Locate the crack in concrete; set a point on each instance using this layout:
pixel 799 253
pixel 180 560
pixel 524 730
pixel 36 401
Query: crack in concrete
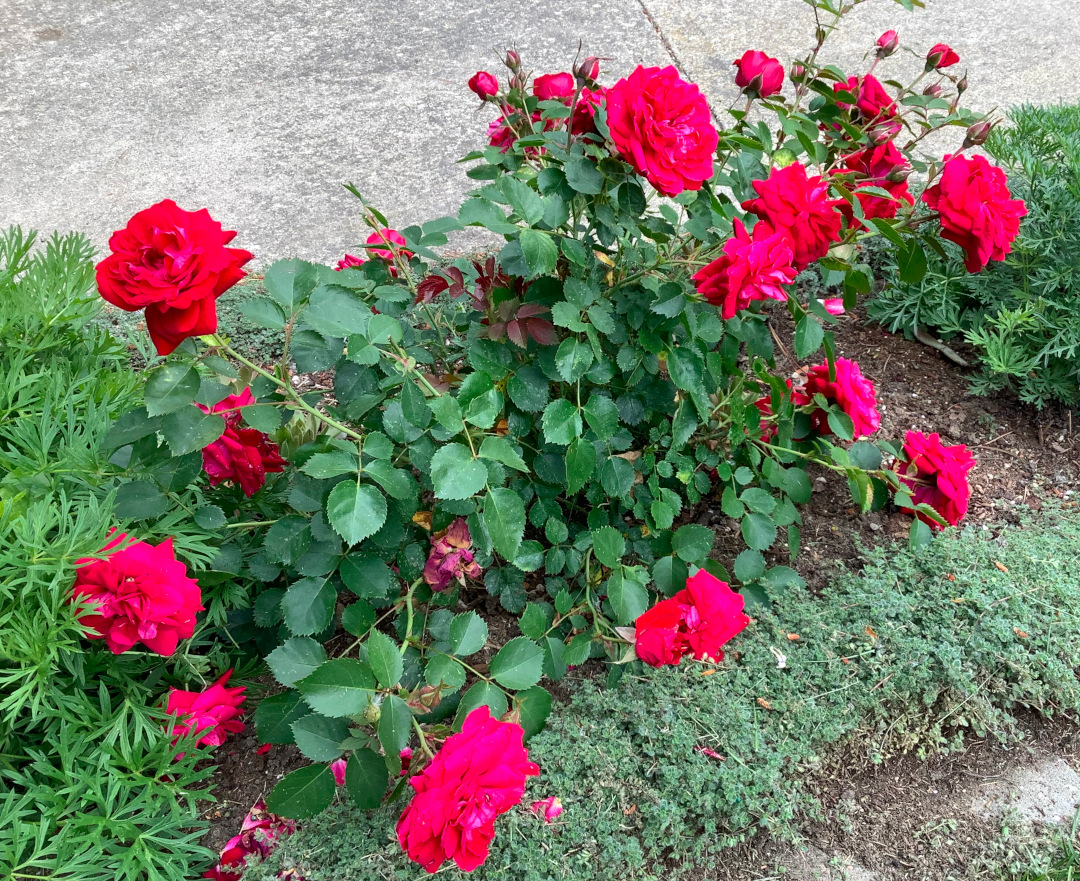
pixel 664 41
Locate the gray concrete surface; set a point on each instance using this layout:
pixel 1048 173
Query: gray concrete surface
pixel 1046 792
pixel 260 109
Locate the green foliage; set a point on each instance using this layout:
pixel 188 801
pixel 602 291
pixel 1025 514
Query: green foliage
pixel 89 788
pixel 1021 314
pixel 901 657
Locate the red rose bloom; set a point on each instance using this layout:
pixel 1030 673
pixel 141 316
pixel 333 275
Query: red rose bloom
pixel 485 85
pixel 242 456
pixel 936 475
pixel 661 125
pixel 140 594
pixel 851 391
pixel 977 210
pixel 476 776
pixel 873 167
pixel 940 56
pixel 751 268
pixel 349 261
pixel 872 102
pixel 887 43
pixel 799 207
pixel 758 74
pixel 698 620
pixel 584 120
pixel 554 86
pixel 212 713
pixel 174 264
pixel 394 241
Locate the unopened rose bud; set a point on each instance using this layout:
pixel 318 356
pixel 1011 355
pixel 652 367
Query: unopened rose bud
pixel 512 60
pixel 900 173
pixel 513 716
pixel 783 157
pixel 887 43
pixel 798 71
pixel 588 70
pixel 933 90
pixel 881 134
pixel 517 82
pixel 372 714
pixel 961 85
pixel 426 699
pixel 941 56
pixel 484 85
pixel 978 133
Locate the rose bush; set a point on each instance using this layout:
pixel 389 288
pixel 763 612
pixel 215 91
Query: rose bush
pixel 544 440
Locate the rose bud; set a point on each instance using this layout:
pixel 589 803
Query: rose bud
pixel 798 71
pixel 517 82
pixel 512 60
pixel 887 43
pixel 933 90
pixel 484 85
pixel 759 75
pixel 941 56
pixel 882 134
pixel 978 133
pixel 961 85
pixel 587 70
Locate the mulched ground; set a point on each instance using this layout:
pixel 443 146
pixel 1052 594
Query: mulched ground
pixel 1024 458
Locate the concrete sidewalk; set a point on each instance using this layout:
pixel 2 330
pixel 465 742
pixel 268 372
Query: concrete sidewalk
pixel 260 109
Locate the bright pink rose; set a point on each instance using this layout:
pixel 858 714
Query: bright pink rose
pixel 451 557
pixel 258 835
pixel 349 261
pixel 337 768
pixel 139 594
pixel 834 305
pixel 174 264
pixel 554 86
pixel 941 56
pixel 878 167
pixel 503 136
pixel 799 207
pixel 936 475
pixel 392 239
pixel 751 268
pixel 851 391
pixel 698 620
pixel 243 456
pixel 485 85
pixel 661 125
pixel 976 208
pixel 887 43
pixel 758 74
pixel 548 809
pixel 476 776
pixel 213 713
pixel 872 103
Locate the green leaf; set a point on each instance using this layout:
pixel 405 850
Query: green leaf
pixel 308 606
pixel 749 566
pixel 358 618
pixel 540 251
pixel 263 312
pixel 294 659
pixel 529 389
pixel 911 262
pixel 319 738
pixel 504 517
pixel 562 422
pixel 580 462
pixel 322 466
pixel 525 201
pixel 456 474
pixel 395 725
pixel 535 621
pixel 468 634
pixel 366 779
pixel 499 449
pixel 617 476
pixel 602 416
pixel 482 694
pixel 355 510
pixel 535 705
pixel 448 412
pixel 396 482
pixel 289 282
pixel 687 370
pixel 337 312
pixel 130 427
pixel 339 688
pixel 303 793
pixel 275 715
pixel 444 671
pixel 758 532
pixel 670 574
pixel 519 664
pixel 385 659
pixel 627 594
pixel 365 575
pixel 865 455
pixel 210 517
pixel 583 175
pixel 573 358
pixel 288 539
pixel 262 417
pixel 919 534
pixel 481 212
pixel 140 500
pixel 841 424
pixel 170 387
pixel 608 545
pixel 759 500
pixel 809 335
pixel 692 543
pixel 190 429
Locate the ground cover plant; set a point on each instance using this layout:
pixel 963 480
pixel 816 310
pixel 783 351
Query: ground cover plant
pixel 532 429
pixel 658 777
pixel 1020 314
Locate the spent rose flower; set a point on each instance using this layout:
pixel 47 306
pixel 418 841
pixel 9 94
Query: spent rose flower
pixel 758 74
pixel 799 207
pixel 884 167
pixel 547 809
pixel 484 85
pixel 243 456
pixel 698 620
pixel 941 56
pixel 976 209
pixel 936 475
pixel 476 776
pixel 451 557
pixel 258 836
pixel 173 264
pixel 213 714
pixel 887 43
pixel 851 391
pixel 140 593
pixel 751 268
pixel 661 125
pixel 554 86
